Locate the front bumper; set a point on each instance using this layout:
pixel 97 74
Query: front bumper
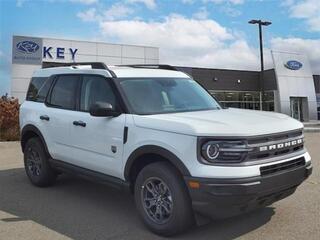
pixel 220 198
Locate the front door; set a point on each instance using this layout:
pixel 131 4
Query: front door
pixel 296 108
pixel 98 141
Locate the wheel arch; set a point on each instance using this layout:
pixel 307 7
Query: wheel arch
pixel 28 132
pixel 141 154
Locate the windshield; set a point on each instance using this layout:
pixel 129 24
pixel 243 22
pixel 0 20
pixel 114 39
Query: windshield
pixel 166 95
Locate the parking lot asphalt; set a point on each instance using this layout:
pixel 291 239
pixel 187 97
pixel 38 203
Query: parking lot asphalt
pixel 78 209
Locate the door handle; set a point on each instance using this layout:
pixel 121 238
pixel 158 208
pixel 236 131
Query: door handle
pixel 79 123
pixel 44 117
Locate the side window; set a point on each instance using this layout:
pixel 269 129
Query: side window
pixel 95 89
pixel 38 89
pixel 63 94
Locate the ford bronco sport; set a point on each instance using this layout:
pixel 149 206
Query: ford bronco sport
pixel 155 131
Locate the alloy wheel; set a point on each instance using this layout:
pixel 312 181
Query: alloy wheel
pixel 157 200
pixel 33 162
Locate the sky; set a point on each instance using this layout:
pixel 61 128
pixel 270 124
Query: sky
pixel 198 33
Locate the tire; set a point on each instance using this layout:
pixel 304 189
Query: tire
pixel 37 165
pixel 175 204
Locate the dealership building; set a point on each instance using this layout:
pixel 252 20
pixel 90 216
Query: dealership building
pixel 289 87
pixel 32 53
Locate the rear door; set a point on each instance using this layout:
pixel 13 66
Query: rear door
pixel 33 110
pixel 61 106
pixel 97 141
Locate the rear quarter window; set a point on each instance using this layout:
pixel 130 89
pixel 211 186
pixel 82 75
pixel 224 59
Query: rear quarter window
pixel 38 89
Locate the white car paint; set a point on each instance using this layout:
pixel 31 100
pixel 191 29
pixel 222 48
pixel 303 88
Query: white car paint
pixel 176 132
pixel 220 122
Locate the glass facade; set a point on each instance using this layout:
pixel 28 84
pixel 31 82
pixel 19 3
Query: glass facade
pixel 269 101
pixel 245 99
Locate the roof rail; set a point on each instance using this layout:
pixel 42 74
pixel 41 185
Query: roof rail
pixel 153 66
pixel 94 65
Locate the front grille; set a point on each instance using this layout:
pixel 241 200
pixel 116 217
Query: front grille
pixel 270 169
pixel 273 141
pixel 275 137
pixel 258 155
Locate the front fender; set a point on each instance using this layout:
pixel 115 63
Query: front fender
pixel 153 149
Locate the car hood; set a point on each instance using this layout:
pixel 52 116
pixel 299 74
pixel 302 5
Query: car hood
pixel 222 122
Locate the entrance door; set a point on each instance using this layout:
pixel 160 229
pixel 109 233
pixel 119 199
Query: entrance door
pixel 296 108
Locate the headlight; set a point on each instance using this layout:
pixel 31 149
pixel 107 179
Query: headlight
pixel 219 151
pixel 211 150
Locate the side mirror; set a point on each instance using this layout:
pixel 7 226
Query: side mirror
pixel 103 109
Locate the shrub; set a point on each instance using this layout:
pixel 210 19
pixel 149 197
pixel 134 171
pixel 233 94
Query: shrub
pixel 9 119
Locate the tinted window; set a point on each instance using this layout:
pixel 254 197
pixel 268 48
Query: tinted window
pixel 63 94
pixel 95 89
pixel 38 89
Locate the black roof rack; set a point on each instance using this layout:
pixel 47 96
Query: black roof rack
pixel 153 66
pixel 94 65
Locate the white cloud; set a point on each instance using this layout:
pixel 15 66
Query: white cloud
pixel 230 11
pixel 187 42
pixel 202 13
pixel 227 6
pixel 89 15
pixel 305 9
pixel 86 2
pixel 309 10
pixel 287 3
pixel 151 4
pixel 116 11
pixel 314 23
pixel 308 46
pixel 195 41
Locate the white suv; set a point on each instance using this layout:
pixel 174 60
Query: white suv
pixel 155 131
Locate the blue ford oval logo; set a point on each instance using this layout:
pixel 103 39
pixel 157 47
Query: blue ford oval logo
pixel 27 47
pixel 293 65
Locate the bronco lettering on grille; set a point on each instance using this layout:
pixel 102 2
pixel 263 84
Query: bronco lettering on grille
pixel 280 145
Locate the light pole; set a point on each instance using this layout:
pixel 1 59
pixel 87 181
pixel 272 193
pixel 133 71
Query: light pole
pixel 261 23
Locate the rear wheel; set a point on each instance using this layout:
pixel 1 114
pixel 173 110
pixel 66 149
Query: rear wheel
pixel 162 199
pixel 36 164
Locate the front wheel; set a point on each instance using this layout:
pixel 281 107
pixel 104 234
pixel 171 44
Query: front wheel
pixel 162 199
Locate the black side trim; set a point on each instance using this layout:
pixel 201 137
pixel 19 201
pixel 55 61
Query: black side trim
pixel 31 129
pixel 125 135
pixel 90 174
pixel 152 149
